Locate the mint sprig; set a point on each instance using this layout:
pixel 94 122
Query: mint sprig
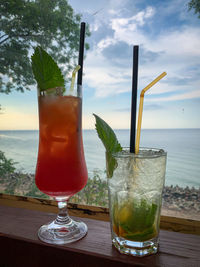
pixel 107 135
pixel 110 142
pixel 45 70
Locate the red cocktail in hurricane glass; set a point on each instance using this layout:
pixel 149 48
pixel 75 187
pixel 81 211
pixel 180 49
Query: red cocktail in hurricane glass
pixel 61 170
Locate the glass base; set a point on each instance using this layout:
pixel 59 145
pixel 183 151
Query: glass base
pixel 138 249
pixel 55 233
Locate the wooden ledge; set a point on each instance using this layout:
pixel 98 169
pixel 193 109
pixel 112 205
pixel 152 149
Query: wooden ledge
pixel 20 246
pixel 188 226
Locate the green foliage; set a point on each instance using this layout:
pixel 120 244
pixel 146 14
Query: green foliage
pixel 94 193
pixel 111 164
pixel 107 136
pixel 6 165
pixel 52 25
pixel 35 192
pixel 195 4
pixel 45 70
pixel 110 142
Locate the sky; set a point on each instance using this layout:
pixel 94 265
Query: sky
pixel 168 36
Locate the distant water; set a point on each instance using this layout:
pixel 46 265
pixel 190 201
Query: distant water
pixel 182 146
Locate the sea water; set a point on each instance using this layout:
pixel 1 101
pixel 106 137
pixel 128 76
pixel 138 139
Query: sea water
pixel 182 146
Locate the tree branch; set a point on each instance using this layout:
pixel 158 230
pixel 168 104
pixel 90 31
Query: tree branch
pixel 21 35
pixel 4 40
pixel 3 36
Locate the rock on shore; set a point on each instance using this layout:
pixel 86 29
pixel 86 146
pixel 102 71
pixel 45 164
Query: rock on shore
pixel 181 199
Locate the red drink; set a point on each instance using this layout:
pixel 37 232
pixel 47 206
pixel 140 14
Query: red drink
pixel 61 168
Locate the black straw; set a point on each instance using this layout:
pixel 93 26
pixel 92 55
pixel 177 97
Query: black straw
pixel 134 98
pixel 81 53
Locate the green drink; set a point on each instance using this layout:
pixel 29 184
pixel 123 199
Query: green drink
pixel 136 221
pixel 135 185
pixel 135 197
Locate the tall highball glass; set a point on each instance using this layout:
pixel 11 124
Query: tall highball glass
pixel 135 197
pixel 61 170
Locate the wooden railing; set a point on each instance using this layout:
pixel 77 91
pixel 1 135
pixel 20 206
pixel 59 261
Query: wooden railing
pixel 20 246
pixel 169 223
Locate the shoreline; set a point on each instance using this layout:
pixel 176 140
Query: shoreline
pixel 181 202
pixel 177 201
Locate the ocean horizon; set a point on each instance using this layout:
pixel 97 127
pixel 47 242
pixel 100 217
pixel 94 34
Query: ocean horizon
pixel 182 146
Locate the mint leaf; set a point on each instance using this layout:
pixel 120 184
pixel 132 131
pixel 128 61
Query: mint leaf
pixel 107 135
pixel 45 70
pixel 110 142
pixel 111 164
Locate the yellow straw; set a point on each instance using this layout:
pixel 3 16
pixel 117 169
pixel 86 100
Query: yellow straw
pixel 73 77
pixel 141 109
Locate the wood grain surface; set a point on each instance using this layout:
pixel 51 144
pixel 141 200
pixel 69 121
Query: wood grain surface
pixel 19 245
pixel 170 223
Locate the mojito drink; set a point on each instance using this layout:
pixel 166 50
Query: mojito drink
pixel 136 220
pixel 135 192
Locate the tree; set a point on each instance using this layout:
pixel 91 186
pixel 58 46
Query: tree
pixel 6 165
pixel 24 24
pixel 195 4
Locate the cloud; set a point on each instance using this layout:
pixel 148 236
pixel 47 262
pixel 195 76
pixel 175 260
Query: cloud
pixel 108 65
pixel 129 29
pixel 146 107
pixel 106 43
pixel 177 97
pixel 179 43
pixel 105 78
pixel 124 24
pixel 153 107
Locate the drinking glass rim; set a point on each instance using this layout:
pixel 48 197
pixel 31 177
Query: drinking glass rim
pixel 156 153
pixel 65 91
